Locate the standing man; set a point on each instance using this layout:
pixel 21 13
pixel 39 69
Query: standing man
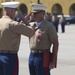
pixel 55 21
pixel 40 44
pixel 10 33
pixel 62 23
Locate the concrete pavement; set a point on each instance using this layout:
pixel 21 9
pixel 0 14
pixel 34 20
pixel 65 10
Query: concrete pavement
pixel 66 54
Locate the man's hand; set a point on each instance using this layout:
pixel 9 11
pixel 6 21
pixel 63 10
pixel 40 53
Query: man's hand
pixel 22 17
pixel 28 16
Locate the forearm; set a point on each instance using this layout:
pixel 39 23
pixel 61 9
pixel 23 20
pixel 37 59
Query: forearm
pixel 23 19
pixel 33 30
pixel 55 51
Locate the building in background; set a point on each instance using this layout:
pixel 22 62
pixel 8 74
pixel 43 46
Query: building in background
pixel 54 6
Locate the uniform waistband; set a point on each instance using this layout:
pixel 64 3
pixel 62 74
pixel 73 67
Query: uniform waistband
pixel 40 51
pixel 5 51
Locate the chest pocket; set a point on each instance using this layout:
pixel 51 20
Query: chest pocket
pixel 40 33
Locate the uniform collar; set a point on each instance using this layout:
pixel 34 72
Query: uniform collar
pixel 38 24
pixel 5 16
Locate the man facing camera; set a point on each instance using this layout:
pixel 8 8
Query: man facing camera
pixel 41 60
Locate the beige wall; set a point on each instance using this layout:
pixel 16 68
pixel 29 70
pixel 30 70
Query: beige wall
pixel 65 4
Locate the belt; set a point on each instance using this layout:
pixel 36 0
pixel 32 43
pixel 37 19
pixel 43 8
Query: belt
pixel 4 51
pixel 40 51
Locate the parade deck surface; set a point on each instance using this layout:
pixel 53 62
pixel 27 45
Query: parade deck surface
pixel 66 53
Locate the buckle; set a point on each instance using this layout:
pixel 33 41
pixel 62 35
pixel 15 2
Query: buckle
pixel 35 51
pixel 40 51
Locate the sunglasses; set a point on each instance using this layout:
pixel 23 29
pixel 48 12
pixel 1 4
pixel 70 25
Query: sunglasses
pixel 38 12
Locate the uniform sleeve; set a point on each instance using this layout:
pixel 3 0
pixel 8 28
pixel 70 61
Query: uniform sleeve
pixel 52 32
pixel 20 28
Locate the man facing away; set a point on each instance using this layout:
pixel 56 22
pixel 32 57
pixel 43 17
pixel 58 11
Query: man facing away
pixel 10 33
pixel 40 44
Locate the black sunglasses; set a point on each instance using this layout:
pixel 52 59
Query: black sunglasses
pixel 38 12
